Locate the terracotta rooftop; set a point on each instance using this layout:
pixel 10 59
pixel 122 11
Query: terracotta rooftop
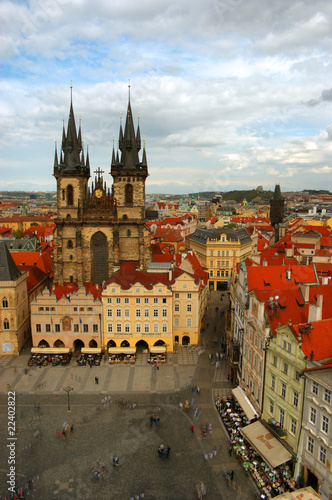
pixel 68 289
pixel 317 343
pixel 275 277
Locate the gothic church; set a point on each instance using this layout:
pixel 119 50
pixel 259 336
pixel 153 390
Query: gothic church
pixel 98 228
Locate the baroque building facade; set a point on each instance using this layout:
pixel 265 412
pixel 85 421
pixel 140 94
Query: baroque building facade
pixel 97 228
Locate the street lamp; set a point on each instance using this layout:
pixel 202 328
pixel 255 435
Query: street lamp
pixel 68 389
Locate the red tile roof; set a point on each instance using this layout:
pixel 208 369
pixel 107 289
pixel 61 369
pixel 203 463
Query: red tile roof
pixel 326 242
pixel 317 343
pixel 68 289
pixel 172 221
pixel 129 274
pixel 42 261
pixel 171 235
pixel 36 276
pixel 274 277
pixel 289 306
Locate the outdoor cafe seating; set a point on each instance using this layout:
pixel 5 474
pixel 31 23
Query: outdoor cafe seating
pixel 126 355
pixel 44 356
pixel 158 355
pixel 89 356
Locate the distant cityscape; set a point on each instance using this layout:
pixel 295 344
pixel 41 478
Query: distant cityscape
pixel 94 273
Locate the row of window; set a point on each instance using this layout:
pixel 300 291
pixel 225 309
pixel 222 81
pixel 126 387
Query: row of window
pixel 146 328
pixel 324 424
pixel 5 302
pixel 324 421
pixel 76 328
pixel 322 450
pixel 139 313
pixel 76 309
pixel 222 253
pixel 219 273
pixel 283 390
pixel 250 332
pixel 252 386
pixel 220 263
pixel 138 300
pixel 327 392
pixel 293 422
pixel 285 367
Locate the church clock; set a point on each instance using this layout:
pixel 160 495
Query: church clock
pixel 98 193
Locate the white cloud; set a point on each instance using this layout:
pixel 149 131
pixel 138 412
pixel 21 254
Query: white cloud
pixel 322 170
pixel 236 95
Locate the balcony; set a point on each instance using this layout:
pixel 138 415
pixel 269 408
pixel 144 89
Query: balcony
pixel 275 429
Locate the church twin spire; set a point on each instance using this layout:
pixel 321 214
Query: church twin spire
pixel 129 144
pixel 72 153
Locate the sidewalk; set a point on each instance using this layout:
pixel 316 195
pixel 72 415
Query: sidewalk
pixel 212 382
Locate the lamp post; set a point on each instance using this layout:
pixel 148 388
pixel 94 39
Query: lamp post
pixel 68 389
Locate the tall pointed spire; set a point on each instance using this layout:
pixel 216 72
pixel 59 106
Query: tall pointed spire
pixel 120 134
pixel 138 136
pixel 71 142
pixel 56 163
pixel 87 159
pixel 144 160
pixel 113 155
pixel 128 146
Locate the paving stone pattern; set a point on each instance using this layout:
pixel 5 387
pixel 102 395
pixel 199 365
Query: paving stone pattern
pixel 62 468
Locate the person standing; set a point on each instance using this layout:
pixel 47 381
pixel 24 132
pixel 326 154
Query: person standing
pixel 192 428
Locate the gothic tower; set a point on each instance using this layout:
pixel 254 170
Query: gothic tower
pixel 129 175
pixel 97 229
pixel 277 205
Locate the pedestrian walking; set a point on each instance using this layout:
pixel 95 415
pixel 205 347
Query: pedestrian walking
pixel 192 428
pixel 97 380
pixel 228 375
pixel 232 474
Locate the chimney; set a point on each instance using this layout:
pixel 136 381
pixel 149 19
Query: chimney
pixel 288 274
pixel 315 311
pixel 289 251
pixel 305 289
pixel 264 262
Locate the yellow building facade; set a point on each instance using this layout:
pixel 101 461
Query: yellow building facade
pixel 217 250
pixel 283 386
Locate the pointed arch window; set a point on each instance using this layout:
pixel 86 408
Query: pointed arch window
pixel 4 302
pixel 70 244
pixel 129 193
pixel 70 195
pixel 6 324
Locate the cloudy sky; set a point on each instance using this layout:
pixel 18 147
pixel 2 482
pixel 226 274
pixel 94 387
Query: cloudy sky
pixel 230 94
